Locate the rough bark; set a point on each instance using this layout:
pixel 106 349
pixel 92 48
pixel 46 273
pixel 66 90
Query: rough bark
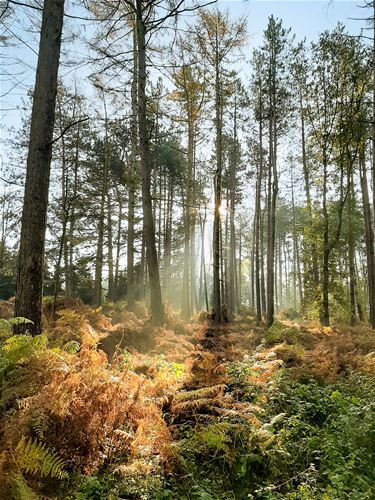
pixel 29 284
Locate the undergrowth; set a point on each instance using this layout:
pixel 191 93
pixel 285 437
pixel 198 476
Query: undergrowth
pixel 182 412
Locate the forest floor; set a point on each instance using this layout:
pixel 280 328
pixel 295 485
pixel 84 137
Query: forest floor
pixel 105 406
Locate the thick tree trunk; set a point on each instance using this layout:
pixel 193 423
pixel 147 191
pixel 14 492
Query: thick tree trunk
pixel 157 311
pixel 29 285
pixel 373 110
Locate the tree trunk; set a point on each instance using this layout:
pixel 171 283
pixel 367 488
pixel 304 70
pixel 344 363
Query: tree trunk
pixel 217 188
pixel 258 234
pixel 271 223
pixel 324 312
pixel 185 299
pixel 69 241
pixel 99 247
pixel 369 240
pixel 98 285
pixel 118 246
pixel 111 291
pixel 193 256
pixel 168 241
pixel 65 219
pixel 132 179
pixel 351 253
pixel 157 311
pixel 306 175
pixel 262 277
pixel 29 284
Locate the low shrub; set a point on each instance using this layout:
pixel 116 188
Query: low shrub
pixel 76 404
pixel 326 442
pixel 281 332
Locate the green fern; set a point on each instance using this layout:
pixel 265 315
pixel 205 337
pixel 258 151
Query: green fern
pixel 19 348
pixel 20 489
pixel 37 460
pixel 215 437
pixel 72 347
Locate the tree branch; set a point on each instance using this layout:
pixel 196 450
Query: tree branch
pixel 65 129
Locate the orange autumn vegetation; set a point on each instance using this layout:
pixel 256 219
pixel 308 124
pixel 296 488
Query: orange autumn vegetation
pixel 116 398
pixel 88 410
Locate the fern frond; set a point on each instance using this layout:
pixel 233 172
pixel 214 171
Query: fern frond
pixel 192 406
pixel 20 489
pixel 72 347
pixel 37 460
pixel 205 392
pixel 40 425
pixel 19 348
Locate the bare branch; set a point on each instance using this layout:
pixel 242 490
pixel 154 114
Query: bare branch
pixel 65 130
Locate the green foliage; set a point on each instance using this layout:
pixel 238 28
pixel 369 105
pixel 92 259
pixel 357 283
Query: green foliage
pixel 326 443
pixel 20 489
pixel 19 348
pixel 164 367
pixel 239 373
pixel 72 347
pixel 281 332
pixel 215 438
pixel 37 460
pixel 111 487
pixel 220 460
pixel 316 441
pixel 14 352
pixel 92 488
